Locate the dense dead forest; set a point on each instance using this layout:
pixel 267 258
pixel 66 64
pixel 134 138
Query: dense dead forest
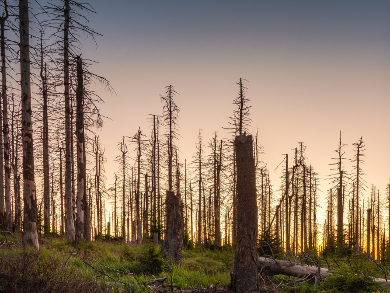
pixel 52 163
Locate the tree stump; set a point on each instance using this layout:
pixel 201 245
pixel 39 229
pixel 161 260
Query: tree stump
pixel 173 240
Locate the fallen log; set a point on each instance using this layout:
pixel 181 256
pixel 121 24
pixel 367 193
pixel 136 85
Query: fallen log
pixel 285 267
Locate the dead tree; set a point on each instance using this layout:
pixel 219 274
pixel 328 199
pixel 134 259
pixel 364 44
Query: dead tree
pixel 154 202
pixel 245 264
pixel 69 221
pixel 30 236
pixel 137 138
pixel 240 122
pixel 7 169
pixel 82 211
pixel 15 165
pixel 199 162
pixel 124 152
pixel 287 208
pixel 340 193
pixel 359 186
pixel 368 232
pixel 173 240
pixel 45 138
pixel 217 149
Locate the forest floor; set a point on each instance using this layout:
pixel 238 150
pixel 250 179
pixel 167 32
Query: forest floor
pixel 107 265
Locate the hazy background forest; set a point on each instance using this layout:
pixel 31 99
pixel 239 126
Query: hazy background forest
pixel 132 102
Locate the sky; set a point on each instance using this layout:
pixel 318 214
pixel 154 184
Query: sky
pixel 313 69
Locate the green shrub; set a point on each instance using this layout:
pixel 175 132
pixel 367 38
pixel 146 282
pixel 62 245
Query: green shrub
pixel 269 245
pixel 149 261
pixel 349 283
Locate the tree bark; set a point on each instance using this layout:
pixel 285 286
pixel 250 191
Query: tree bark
pixel 15 144
pixel 30 236
pixel 284 267
pixel 7 169
pixel 368 232
pixel 173 240
pixel 45 141
pixel 81 201
pixel 245 267
pixel 217 199
pixel 69 221
pixel 124 151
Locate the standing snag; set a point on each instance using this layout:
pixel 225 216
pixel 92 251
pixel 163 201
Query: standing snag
pixel 30 235
pixel 245 266
pixel 81 203
pixel 173 240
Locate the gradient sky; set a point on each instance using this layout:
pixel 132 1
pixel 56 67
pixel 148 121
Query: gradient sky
pixel 313 68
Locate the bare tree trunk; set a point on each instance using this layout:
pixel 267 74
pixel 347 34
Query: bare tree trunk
pixel 287 211
pixel 154 187
pixel 53 206
pixel 62 196
pixel 368 232
pixel 30 236
pixel 192 217
pixel 234 226
pixel 7 170
pixel 15 162
pixel 124 151
pixel 138 193
pixel 200 195
pixel 81 202
pixel 217 198
pixel 69 229
pixel 245 264
pixel 45 138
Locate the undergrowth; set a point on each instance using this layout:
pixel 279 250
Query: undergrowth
pixel 104 266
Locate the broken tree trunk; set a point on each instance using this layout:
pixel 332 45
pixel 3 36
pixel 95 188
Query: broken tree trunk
pixel 245 266
pixel 285 267
pixel 173 240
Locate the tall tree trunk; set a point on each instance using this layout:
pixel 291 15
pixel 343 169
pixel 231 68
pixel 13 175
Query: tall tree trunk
pixel 368 232
pixel 154 182
pixel 53 206
pixel 62 196
pixel 124 151
pixel 45 140
pixel 81 201
pixel 245 266
pixel 30 236
pixel 7 169
pixel 200 195
pixel 217 199
pixel 69 226
pixel 15 144
pixel 138 193
pixel 287 211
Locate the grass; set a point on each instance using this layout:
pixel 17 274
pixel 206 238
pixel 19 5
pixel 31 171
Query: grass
pixel 110 266
pixel 104 266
